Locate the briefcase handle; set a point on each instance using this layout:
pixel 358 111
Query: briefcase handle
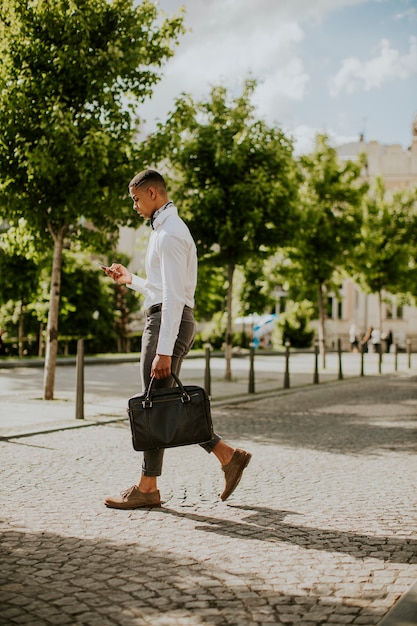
pixel 148 394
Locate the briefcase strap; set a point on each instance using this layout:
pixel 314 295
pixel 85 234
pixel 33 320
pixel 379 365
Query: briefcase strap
pixel 148 394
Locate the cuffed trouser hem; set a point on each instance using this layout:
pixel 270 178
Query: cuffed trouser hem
pixel 157 457
pixel 209 445
pixel 154 474
pixel 152 463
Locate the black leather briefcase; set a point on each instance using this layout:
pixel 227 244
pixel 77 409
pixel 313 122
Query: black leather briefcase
pixel 167 418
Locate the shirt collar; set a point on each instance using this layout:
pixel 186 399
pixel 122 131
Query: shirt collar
pixel 159 211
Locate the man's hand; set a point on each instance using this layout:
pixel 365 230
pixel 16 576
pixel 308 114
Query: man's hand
pixel 161 366
pixel 119 273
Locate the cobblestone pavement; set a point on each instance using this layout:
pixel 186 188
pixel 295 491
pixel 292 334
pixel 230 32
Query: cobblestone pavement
pixel 321 530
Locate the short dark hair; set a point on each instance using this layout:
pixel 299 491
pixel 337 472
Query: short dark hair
pixel 148 176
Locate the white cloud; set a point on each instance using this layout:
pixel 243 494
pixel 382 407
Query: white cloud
pixel 233 57
pixel 388 65
pixel 245 14
pixel 409 14
pixel 234 42
pixel 275 94
pixel 304 138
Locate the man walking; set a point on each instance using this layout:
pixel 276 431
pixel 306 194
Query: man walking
pixel 169 287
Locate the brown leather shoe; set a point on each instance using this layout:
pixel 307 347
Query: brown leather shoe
pixel 233 471
pixel 132 498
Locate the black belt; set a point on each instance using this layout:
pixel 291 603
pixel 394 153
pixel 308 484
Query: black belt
pixel 156 308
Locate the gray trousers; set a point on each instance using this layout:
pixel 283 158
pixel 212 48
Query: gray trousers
pixel 152 459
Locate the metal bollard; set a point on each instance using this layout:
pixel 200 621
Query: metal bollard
pixel 409 352
pixel 207 373
pixel 287 365
pixel 395 346
pixel 339 350
pixel 316 363
pixel 251 386
pixel 79 402
pixel 362 358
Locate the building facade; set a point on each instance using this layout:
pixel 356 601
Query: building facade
pixel 398 168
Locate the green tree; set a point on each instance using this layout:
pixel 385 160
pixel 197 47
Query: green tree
pixel 72 75
pixel 385 257
pixel 331 215
pixel 211 290
pixel 257 291
pixel 293 325
pixel 235 178
pixel 92 306
pixel 20 270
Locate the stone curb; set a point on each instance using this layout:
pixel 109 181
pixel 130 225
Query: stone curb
pixel 404 612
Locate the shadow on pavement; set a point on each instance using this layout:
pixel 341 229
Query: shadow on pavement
pixel 352 418
pixel 48 578
pixel 266 524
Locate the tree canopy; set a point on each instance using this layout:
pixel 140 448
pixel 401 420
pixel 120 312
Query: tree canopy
pixel 72 75
pixel 330 220
pixel 384 258
pixel 20 271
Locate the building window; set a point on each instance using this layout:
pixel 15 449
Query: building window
pixel 329 311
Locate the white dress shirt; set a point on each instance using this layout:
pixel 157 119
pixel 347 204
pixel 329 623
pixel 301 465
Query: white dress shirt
pixel 171 274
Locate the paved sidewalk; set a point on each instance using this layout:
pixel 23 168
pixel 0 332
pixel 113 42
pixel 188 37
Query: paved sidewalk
pixel 321 530
pixel 109 381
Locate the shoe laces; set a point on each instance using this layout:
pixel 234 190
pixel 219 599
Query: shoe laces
pixel 128 492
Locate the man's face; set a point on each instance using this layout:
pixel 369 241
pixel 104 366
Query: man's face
pixel 143 201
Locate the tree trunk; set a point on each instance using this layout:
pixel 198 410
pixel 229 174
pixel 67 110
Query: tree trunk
pixel 40 346
pixel 322 320
pixel 229 325
pixel 52 326
pixel 20 331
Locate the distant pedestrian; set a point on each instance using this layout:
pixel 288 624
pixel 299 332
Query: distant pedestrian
pixel 366 338
pixel 388 339
pixel 376 340
pixel 353 338
pixel 169 286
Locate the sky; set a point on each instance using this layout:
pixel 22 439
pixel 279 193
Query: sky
pixel 342 67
